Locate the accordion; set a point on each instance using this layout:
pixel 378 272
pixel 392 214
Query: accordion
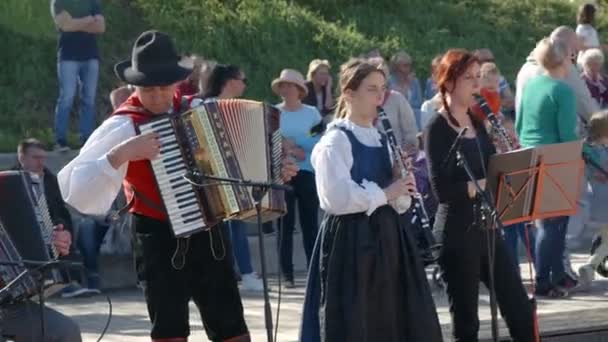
pixel 26 233
pixel 225 138
pixel 9 253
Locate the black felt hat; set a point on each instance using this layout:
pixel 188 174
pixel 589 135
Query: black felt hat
pixel 154 62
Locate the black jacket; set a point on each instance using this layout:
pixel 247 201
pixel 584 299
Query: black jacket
pixel 311 99
pixel 57 207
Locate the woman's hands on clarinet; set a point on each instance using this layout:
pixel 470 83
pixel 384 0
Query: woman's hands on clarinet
pixel 406 163
pixel 472 190
pixel 144 146
pixel 401 187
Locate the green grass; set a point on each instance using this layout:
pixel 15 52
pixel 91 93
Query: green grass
pixel 262 36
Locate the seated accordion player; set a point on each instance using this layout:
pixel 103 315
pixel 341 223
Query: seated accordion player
pixel 237 139
pixel 25 236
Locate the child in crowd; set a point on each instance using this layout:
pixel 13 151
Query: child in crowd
pixel 596 157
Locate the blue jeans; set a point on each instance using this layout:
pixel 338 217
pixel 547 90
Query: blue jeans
pixel 90 238
pixel 240 246
pixel 513 233
pixel 550 245
pixel 73 74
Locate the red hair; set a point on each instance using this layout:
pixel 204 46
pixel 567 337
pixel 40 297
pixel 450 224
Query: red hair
pixel 453 64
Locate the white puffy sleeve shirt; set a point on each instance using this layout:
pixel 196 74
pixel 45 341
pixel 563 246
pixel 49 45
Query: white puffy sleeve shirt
pixel 332 160
pixel 89 183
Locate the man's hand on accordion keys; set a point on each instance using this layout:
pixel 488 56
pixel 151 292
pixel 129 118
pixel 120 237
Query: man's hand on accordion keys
pixel 62 239
pixel 290 168
pixel 290 148
pixel 144 146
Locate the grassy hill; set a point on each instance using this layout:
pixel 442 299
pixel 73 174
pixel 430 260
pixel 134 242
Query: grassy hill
pixel 262 36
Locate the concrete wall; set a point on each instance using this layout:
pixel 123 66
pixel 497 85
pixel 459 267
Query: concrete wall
pixel 118 270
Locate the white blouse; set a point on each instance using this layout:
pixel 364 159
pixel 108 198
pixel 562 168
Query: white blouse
pixel 588 35
pixel 332 160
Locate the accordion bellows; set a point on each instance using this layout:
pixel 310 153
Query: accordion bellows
pixel 225 138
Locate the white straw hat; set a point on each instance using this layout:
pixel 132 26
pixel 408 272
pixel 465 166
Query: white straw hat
pixel 290 76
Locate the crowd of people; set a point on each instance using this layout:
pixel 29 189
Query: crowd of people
pixel 366 279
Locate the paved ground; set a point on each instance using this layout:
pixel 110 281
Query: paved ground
pixel 130 322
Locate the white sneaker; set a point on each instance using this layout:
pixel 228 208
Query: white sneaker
pixel 75 290
pixel 250 282
pixel 61 148
pixel 586 274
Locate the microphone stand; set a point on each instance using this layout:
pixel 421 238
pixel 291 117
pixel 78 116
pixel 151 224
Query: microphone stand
pixel 487 205
pixel 37 269
pixel 259 190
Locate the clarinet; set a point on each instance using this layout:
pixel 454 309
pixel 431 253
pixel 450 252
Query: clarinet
pixel 418 209
pixel 498 128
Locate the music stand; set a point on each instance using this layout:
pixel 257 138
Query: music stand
pixel 259 190
pixel 37 270
pixel 536 183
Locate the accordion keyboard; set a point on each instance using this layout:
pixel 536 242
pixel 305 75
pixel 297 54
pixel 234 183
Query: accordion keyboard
pixel 169 168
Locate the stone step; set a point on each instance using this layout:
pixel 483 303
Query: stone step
pixel 117 271
pixel 54 162
pixel 271 254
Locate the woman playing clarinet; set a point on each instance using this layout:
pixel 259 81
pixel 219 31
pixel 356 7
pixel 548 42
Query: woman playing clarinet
pixel 466 244
pixel 366 281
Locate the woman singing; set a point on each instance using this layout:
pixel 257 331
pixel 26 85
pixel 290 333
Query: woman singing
pixel 366 281
pixel 464 254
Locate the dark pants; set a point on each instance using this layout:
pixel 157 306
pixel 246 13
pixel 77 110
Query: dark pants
pixel 464 262
pixel 550 246
pixel 305 191
pixel 21 322
pixel 209 282
pixel 515 232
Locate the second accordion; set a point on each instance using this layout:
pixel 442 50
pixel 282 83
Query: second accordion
pixel 26 232
pixel 224 138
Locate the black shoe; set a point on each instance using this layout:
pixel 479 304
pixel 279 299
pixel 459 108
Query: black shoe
pixel 567 282
pixel 552 292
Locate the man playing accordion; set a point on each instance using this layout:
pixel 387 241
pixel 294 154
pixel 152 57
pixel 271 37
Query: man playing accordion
pixel 115 153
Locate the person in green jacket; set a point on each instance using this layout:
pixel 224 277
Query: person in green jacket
pixel 547 115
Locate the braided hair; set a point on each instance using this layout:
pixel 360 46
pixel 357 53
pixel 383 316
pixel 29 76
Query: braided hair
pixel 453 64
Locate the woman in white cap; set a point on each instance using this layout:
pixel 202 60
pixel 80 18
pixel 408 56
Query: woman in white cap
pixel 297 126
pixel 319 86
pixel 592 61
